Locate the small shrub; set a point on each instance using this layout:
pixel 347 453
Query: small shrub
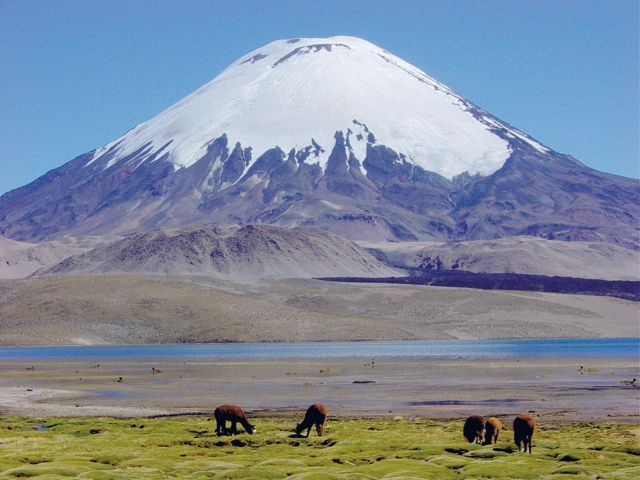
pixel 506 471
pixel 485 454
pixel 572 470
pixel 569 457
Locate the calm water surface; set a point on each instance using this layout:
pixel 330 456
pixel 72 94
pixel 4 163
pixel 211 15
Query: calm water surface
pixel 475 349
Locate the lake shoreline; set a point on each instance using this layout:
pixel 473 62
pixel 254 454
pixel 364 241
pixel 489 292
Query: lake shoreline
pixel 583 389
pixel 615 347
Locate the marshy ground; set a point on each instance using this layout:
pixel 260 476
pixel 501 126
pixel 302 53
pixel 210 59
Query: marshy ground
pixel 352 448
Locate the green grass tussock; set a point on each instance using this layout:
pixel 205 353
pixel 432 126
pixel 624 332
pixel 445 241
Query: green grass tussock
pixel 367 448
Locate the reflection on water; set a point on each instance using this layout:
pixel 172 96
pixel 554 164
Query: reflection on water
pixel 474 349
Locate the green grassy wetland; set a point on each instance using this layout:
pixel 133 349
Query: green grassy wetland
pixel 363 448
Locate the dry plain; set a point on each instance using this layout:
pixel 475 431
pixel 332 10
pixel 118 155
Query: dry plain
pixel 104 310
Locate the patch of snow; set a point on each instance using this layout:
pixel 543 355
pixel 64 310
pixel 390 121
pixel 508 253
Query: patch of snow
pixel 286 94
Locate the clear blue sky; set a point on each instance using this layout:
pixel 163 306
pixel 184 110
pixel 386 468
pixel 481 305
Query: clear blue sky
pixel 78 74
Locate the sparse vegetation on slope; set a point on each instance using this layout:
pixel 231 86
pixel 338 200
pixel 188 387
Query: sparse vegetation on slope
pixel 248 253
pixel 136 310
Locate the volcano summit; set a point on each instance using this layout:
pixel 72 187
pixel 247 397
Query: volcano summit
pixel 296 94
pixel 335 133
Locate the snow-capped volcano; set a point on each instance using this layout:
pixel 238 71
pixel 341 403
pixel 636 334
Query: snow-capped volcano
pixel 334 133
pixel 295 94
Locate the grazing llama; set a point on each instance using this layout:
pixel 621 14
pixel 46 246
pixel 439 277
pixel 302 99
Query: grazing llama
pixel 234 415
pixel 492 430
pixel 523 427
pixel 473 429
pixel 316 415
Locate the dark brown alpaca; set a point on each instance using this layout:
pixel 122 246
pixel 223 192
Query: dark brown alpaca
pixel 316 415
pixel 473 428
pixel 492 429
pixel 523 427
pixel 234 415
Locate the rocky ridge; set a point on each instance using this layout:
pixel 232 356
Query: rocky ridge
pixel 247 253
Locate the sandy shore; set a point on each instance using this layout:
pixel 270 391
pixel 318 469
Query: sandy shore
pixel 557 390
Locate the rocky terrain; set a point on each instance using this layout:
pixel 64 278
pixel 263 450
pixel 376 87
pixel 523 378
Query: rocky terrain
pixel 247 253
pixel 523 255
pixel 189 251
pixel 627 290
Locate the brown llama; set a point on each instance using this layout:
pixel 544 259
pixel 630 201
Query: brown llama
pixel 492 430
pixel 234 415
pixel 523 427
pixel 316 415
pixel 473 428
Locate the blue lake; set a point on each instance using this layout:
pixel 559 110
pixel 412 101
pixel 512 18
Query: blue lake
pixel 471 350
